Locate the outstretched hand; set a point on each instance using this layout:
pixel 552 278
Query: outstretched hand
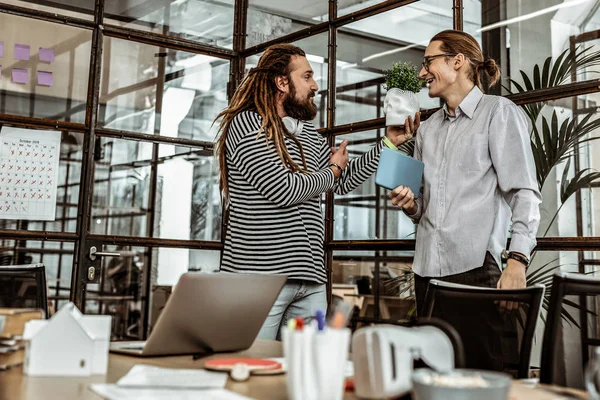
pixel 399 134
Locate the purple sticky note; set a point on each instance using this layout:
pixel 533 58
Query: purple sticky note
pixel 46 55
pixel 1 49
pixel 20 75
pixel 22 52
pixel 44 78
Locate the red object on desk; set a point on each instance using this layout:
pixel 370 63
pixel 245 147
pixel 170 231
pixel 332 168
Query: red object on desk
pixel 349 385
pixel 226 364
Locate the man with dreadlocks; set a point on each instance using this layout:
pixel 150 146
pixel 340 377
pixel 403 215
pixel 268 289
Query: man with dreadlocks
pixel 274 169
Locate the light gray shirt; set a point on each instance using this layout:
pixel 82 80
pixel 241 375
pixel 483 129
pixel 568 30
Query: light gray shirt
pixel 478 168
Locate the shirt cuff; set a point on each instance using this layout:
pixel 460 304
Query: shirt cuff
pixel 416 213
pixel 523 244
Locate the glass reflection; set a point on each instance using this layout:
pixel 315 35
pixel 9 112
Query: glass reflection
pixel 63 95
pixel 187 204
pixel 207 22
pixel 163 91
pixel 366 213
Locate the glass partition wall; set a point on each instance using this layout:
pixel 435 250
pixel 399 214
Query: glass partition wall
pixel 137 83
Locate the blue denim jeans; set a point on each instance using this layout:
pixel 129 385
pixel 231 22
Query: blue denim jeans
pixel 298 298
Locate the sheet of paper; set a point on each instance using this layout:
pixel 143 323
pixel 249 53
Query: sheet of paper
pixel 29 162
pixel 44 78
pixel 348 370
pixel 114 392
pixel 147 376
pixel 46 55
pixel 20 75
pixel 21 52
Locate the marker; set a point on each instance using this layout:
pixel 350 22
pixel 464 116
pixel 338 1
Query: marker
pixel 292 324
pixel 338 321
pixel 320 317
pixel 299 323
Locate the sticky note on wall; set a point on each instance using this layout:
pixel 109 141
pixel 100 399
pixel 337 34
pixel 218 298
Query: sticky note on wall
pixel 22 52
pixel 20 75
pixel 44 78
pixel 46 55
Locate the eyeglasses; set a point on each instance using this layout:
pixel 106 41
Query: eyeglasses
pixel 427 59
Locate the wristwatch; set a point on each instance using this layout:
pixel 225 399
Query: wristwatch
pixel 516 256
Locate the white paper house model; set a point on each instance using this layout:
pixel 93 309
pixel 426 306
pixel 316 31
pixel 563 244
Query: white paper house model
pixel 69 344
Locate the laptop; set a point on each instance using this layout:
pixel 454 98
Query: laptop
pixel 209 313
pixel 397 169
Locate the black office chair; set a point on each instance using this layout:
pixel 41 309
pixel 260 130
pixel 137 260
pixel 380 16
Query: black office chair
pixel 23 286
pixel 530 299
pixel 565 284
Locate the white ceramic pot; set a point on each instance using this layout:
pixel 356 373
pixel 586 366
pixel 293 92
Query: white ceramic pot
pixel 399 105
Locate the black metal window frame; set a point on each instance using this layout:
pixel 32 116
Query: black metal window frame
pixel 236 57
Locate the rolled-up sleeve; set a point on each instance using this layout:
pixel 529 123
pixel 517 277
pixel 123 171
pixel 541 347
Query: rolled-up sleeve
pixel 512 157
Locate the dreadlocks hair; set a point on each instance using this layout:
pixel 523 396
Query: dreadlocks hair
pixel 257 92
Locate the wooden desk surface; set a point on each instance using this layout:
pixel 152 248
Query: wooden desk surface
pixel 15 386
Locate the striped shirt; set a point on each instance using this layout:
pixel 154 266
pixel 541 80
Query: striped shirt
pixel 276 224
pixel 479 169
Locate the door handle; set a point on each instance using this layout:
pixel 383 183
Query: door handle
pixel 94 253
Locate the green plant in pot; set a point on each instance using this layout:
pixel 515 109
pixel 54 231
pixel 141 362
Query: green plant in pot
pixel 402 84
pixel 554 143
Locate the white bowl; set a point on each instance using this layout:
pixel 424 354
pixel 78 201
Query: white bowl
pixel 460 384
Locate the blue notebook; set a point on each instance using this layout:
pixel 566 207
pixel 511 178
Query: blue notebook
pixel 396 168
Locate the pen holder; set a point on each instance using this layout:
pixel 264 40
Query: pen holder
pixel 315 362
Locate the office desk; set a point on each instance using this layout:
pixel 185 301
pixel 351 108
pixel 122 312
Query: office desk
pixel 15 386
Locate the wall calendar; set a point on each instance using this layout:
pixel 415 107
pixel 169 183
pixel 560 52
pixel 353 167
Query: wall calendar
pixel 29 162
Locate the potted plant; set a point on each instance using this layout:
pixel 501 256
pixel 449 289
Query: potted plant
pixel 402 84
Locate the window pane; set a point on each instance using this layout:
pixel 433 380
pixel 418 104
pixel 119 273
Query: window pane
pixel 349 6
pixel 121 290
pixel 83 9
pixel 315 48
pixel 57 258
pixel 206 22
pixel 353 280
pixel 67 192
pixel 519 35
pixel 188 204
pixel 366 212
pixel 368 47
pixel 191 92
pixel 60 92
pixel 121 187
pixel 269 20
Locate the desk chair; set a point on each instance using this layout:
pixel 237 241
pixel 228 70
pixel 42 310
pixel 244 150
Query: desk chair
pixel 565 284
pixel 24 286
pixel 530 299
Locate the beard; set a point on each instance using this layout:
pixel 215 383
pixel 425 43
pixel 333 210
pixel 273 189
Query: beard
pixel 305 110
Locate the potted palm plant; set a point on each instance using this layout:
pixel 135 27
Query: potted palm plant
pixel 402 85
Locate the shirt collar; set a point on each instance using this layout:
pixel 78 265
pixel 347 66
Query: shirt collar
pixel 468 105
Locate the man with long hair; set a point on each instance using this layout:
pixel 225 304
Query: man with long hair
pixel 479 170
pixel 275 168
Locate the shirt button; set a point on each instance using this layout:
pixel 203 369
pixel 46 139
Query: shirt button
pixel 441 204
